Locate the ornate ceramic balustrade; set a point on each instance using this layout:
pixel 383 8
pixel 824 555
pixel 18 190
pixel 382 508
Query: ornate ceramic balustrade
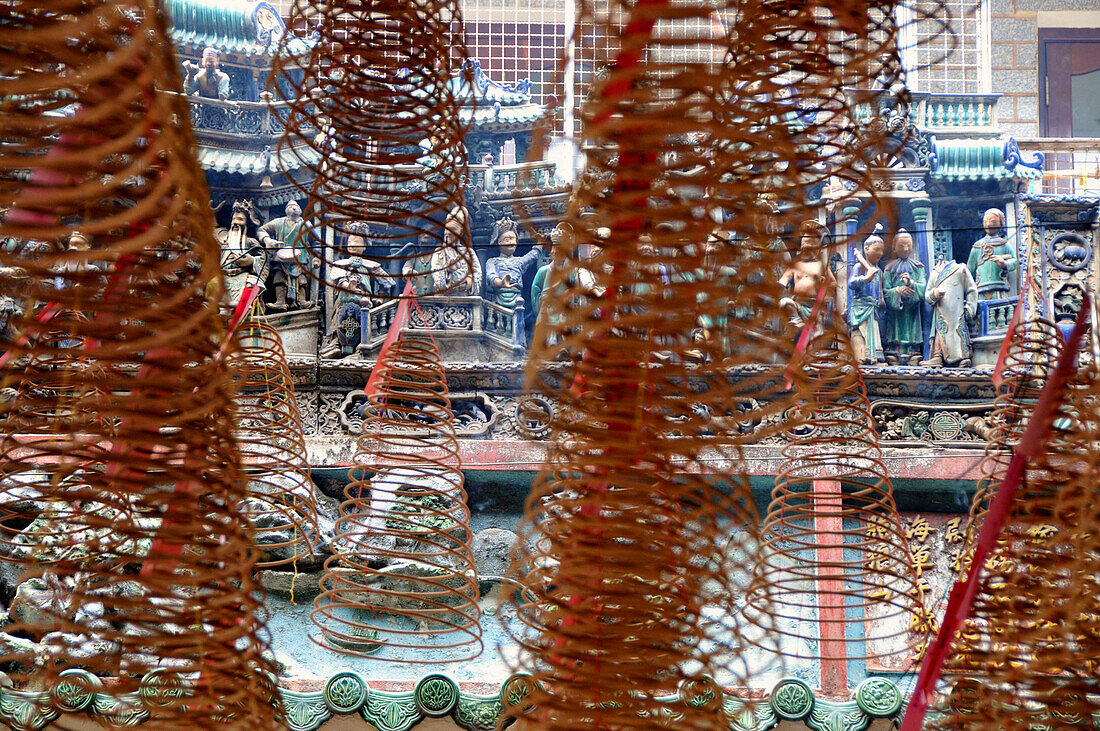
pixel 522 176
pixel 994 316
pixel 971 115
pixel 260 122
pixel 482 325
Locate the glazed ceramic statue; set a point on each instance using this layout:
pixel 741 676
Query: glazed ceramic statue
pixel 992 258
pixel 807 273
pixel 207 80
pixel 504 273
pixel 954 298
pixel 865 301
pixel 904 282
pixel 243 260
pixel 286 237
pixel 449 266
pixel 359 283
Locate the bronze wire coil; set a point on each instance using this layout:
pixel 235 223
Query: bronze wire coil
pixel 1028 653
pixel 280 502
pixel 377 101
pixel 121 479
pixel 402 575
pixel 832 537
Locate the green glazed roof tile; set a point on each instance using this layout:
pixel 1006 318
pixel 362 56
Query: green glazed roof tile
pixel 977 159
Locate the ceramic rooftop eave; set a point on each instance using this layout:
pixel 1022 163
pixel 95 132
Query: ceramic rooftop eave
pixel 968 158
pixel 251 162
pixel 245 27
pixel 437 696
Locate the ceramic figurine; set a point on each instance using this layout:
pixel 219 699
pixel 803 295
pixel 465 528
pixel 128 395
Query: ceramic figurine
pixel 992 258
pixel 865 300
pixel 904 282
pixel 450 273
pixel 243 260
pixel 504 273
pixel 807 273
pixel 562 236
pixel 207 80
pixel 359 283
pixel 287 238
pixel 954 298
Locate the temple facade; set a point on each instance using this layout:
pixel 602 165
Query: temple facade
pixel 976 219
pixel 987 215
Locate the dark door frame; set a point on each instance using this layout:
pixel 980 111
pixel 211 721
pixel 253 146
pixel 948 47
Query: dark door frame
pixel 1050 36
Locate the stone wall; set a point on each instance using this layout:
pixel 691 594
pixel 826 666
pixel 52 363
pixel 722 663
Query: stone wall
pixel 1015 62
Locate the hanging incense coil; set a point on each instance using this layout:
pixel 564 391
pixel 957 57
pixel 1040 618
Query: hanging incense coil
pixel 672 334
pixel 834 545
pixel 280 502
pixel 121 480
pixel 1033 349
pixel 1027 654
pixel 402 575
pixel 374 113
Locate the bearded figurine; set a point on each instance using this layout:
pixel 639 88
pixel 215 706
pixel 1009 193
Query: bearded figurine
pixel 449 266
pixel 243 260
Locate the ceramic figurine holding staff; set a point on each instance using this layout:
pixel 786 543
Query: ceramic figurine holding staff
pixel 865 300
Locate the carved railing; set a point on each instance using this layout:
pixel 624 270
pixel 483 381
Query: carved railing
pixel 477 175
pixel 1071 166
pixel 261 123
pixel 521 176
pixel 994 316
pixel 472 315
pixel 500 179
pixel 958 114
pixel 506 323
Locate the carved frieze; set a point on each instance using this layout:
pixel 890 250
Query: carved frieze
pixel 907 421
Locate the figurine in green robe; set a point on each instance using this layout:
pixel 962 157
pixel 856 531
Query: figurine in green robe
pixel 992 259
pixel 562 236
pixel 904 280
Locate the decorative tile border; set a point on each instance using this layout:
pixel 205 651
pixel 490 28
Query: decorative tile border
pixel 435 696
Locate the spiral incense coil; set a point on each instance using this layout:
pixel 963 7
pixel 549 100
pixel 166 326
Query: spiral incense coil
pixel 1028 654
pixel 377 102
pixel 1033 350
pixel 402 575
pixel 280 502
pixel 834 545
pixel 671 330
pixel 119 475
